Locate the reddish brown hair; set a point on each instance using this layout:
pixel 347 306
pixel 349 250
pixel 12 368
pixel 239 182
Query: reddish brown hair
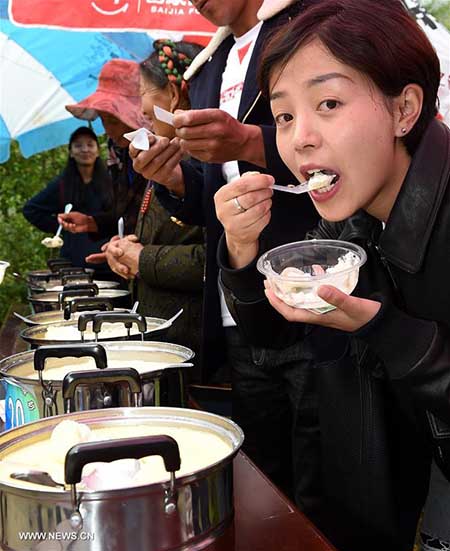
pixel 376 37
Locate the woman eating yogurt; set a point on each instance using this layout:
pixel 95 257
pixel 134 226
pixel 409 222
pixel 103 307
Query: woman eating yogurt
pixel 353 88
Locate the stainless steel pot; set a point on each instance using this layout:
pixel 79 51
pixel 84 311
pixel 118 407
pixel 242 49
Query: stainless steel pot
pixel 63 268
pixel 106 326
pixel 42 302
pixel 57 285
pixel 35 382
pixel 72 309
pixel 187 511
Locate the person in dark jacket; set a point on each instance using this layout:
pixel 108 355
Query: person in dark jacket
pixel 353 87
pixel 165 259
pixel 230 130
pixel 85 184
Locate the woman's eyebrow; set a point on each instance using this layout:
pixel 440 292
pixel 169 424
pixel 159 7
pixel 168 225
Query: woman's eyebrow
pixel 277 95
pixel 323 78
pixel 320 79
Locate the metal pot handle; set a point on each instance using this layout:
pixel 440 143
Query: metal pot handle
pixel 119 317
pixel 85 318
pixel 87 303
pixel 125 448
pixel 80 455
pixel 75 378
pixel 55 263
pixel 71 270
pixel 47 277
pixel 77 277
pixel 79 292
pixel 96 351
pixel 81 287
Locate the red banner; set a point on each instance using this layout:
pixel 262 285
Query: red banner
pixel 108 15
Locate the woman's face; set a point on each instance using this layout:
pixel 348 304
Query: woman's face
pixel 330 117
pixel 151 95
pixel 84 151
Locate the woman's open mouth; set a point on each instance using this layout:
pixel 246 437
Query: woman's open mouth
pixel 322 183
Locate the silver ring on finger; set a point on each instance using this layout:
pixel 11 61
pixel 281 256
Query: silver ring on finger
pixel 238 205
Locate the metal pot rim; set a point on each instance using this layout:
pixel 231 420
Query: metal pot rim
pixel 27 333
pixel 10 362
pixel 219 425
pixel 44 297
pixel 47 271
pixel 101 284
pixel 59 313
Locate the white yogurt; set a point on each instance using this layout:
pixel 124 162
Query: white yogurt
pixel 319 180
pixel 54 242
pixel 302 293
pixel 198 450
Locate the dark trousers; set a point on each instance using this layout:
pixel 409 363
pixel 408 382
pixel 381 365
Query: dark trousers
pixel 275 402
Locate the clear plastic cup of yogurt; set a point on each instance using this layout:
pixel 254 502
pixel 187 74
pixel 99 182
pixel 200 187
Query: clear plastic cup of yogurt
pixel 296 270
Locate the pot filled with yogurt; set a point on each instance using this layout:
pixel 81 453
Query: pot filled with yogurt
pixel 97 326
pixel 57 284
pixel 56 300
pixel 57 268
pixel 121 479
pixel 72 310
pixel 55 379
pixel 296 270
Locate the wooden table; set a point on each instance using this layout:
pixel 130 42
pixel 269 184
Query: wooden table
pixel 265 520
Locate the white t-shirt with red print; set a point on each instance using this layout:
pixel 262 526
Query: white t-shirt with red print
pixel 233 79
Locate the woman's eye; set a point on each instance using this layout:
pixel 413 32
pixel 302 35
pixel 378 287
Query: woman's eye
pixel 329 105
pixel 283 118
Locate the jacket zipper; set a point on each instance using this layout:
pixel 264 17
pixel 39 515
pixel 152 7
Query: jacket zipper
pixel 366 410
pixel 366 416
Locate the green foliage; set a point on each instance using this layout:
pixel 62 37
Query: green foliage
pixel 20 243
pixel 440 9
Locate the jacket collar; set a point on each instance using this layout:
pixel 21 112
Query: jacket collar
pixel 362 227
pixel 405 239
pixel 251 88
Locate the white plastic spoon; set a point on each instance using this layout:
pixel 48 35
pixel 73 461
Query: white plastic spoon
pixel 169 322
pixel 26 320
pixel 67 209
pixel 120 228
pixel 300 188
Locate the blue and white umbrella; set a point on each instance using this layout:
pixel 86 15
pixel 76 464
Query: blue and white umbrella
pixel 42 70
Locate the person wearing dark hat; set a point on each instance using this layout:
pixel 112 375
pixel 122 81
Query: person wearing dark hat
pixel 86 184
pixel 117 102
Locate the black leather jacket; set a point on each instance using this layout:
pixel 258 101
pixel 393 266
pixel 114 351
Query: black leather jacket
pixel 387 398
